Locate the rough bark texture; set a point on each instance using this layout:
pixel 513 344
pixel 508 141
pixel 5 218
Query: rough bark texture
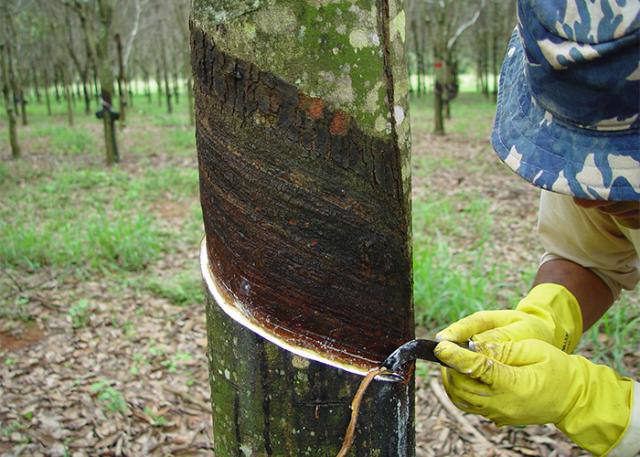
pixel 305 211
pixel 304 177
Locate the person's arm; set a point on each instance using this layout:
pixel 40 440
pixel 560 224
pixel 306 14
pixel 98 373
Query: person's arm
pixel 593 295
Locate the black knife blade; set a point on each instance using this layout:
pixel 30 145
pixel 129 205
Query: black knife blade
pixel 412 350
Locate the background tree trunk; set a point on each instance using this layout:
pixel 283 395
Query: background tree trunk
pixel 66 84
pixel 47 97
pixel 159 83
pixel 289 186
pixel 85 94
pixel 165 73
pixel 176 87
pixel 36 85
pixel 105 74
pixel 122 84
pixel 189 87
pixel 8 104
pixel 56 81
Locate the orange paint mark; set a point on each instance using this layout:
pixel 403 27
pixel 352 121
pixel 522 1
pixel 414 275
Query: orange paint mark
pixel 339 123
pixel 316 106
pixel 313 106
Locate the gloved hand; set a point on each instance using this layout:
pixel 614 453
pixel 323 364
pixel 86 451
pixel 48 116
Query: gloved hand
pixel 532 382
pixel 549 313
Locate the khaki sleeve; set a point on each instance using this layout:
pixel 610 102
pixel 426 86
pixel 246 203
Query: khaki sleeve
pixel 588 238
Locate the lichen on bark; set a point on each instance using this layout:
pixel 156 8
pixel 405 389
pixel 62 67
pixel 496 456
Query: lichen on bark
pixel 330 50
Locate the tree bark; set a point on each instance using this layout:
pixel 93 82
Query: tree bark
pixel 305 188
pixel 159 83
pixel 96 90
pixel 8 104
pixel 147 85
pixel 67 94
pixel 23 107
pixel 189 87
pixel 438 115
pixel 122 85
pixel 176 87
pixel 85 94
pixel 47 98
pixel 275 403
pixel 105 74
pixel 165 73
pixel 36 87
pixel 56 82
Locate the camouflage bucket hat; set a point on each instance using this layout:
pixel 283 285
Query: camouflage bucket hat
pixel 569 95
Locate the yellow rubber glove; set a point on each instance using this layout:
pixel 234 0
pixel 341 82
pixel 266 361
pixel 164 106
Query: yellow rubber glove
pixel 532 382
pixel 549 313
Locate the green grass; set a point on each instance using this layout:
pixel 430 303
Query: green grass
pixel 471 115
pixel 182 290
pixel 450 283
pixel 614 335
pixel 110 397
pixel 67 140
pixel 82 215
pixel 96 241
pixel 79 313
pixel 450 280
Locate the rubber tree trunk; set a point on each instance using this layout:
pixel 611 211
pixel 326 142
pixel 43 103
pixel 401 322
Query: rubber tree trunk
pixel 189 90
pixel 122 85
pixel 36 86
pixel 47 97
pixel 159 83
pixel 85 93
pixel 66 84
pixel 8 104
pixel 165 72
pixel 56 80
pixel 303 146
pixel 438 102
pixel 176 87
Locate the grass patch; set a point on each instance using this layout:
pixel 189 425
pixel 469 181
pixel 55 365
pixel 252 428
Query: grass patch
pixel 66 140
pixel 471 115
pixel 182 290
pixel 613 335
pixel 110 397
pixel 90 219
pixel 87 242
pixel 451 283
pixel 183 141
pixel 4 173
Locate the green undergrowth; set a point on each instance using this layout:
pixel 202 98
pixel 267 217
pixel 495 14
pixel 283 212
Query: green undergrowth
pixel 80 215
pixel 183 289
pixel 614 336
pixel 66 140
pixel 471 115
pixel 90 218
pixel 452 280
